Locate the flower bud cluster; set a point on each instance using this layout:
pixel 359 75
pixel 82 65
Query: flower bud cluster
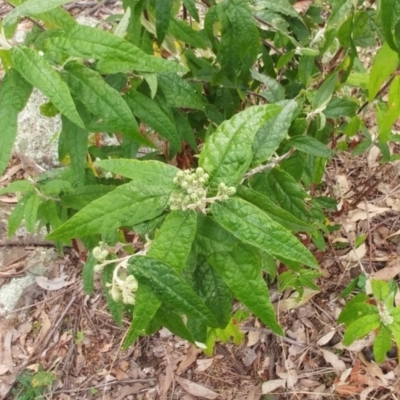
pixel 100 253
pixel 195 194
pixel 224 192
pixel 123 289
pixel 386 318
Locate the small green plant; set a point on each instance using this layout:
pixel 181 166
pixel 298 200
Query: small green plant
pixel 33 385
pixel 373 311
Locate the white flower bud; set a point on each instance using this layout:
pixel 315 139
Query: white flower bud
pixel 231 191
pixel 108 175
pixel 199 171
pixel 224 197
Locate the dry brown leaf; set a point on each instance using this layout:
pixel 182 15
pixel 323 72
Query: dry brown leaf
pixel 326 338
pixel 254 393
pixel 189 360
pixel 106 347
pixel 270 386
pixel 52 284
pixel 293 301
pixel 3 369
pixel 309 383
pixel 253 337
pixel 203 364
pixel 301 6
pixel 389 272
pixel 195 389
pixel 127 391
pixel 9 200
pixel 165 382
pixel 331 358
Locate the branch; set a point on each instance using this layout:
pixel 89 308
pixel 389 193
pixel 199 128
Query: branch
pixel 270 165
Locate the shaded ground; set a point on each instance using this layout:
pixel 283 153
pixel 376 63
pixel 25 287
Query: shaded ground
pixel 73 338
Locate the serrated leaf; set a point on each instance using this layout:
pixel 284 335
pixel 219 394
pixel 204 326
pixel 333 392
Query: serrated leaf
pixel 283 189
pixel 102 100
pixel 87 42
pixel 39 73
pixel 227 154
pixel 277 213
pixel 88 274
pixel 251 225
pixel 170 288
pixel 32 7
pixel 76 139
pixel 146 306
pixel 382 343
pixel 240 270
pixel 163 17
pixel 179 93
pixel 17 186
pixel 213 290
pixel 127 205
pixel 182 31
pixel 324 93
pixel 393 112
pixel 361 328
pixel 56 18
pixel 116 307
pixel 310 145
pixel 340 10
pixel 384 64
pixel 122 28
pixel 380 289
pixel 14 94
pixel 212 237
pixel 338 108
pixel 173 322
pixel 272 133
pixel 82 196
pixel 152 115
pixel 139 170
pixel 30 212
pixel 173 241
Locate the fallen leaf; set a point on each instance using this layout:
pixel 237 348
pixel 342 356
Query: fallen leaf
pixel 389 272
pixel 294 302
pixel 301 6
pixel 195 389
pixel 309 383
pixel 326 338
pixel 3 369
pixel 106 347
pixel 254 393
pixel 52 284
pixel 203 364
pixel 189 360
pixel 270 386
pixel 331 358
pixel 252 338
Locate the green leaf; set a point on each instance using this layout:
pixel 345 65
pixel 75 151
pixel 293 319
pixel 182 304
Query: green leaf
pixel 215 293
pixel 212 237
pixel 163 17
pixel 39 73
pixel 57 18
pixel 17 215
pixel 340 10
pixel 272 133
pixel 170 288
pixel 281 6
pixel 251 225
pixel 116 307
pixel 152 115
pixel 393 112
pixel 88 274
pixel 84 195
pixel 240 270
pixel 395 329
pixel 32 7
pixel 380 289
pixel 361 328
pixel 275 91
pixel 382 343
pixel 227 154
pixel 385 63
pixel 283 189
pixel 324 93
pixel 182 31
pixel 30 212
pixel 127 205
pixel 356 311
pixel 310 145
pixel 87 42
pixel 179 93
pixel 139 171
pixel 146 306
pixel 277 213
pixel 173 322
pixel 17 186
pixel 173 241
pixel 77 142
pixel 387 14
pixel 102 100
pixel 338 108
pixel 191 7
pixel 14 94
